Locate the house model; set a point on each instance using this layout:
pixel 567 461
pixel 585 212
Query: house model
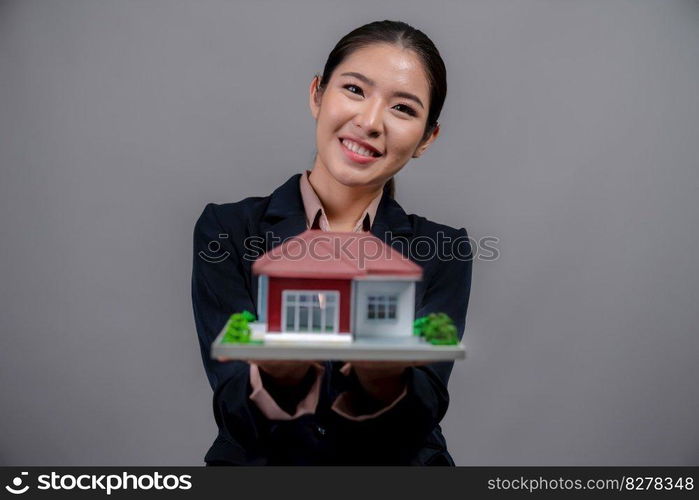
pixel 335 287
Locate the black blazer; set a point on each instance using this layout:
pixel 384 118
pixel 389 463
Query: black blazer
pixel 222 283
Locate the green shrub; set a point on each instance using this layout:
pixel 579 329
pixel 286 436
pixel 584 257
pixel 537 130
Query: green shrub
pixel 249 317
pixel 237 329
pixel 437 329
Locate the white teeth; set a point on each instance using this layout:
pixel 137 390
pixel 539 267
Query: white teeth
pixel 353 146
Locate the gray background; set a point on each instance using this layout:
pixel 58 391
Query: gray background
pixel 570 132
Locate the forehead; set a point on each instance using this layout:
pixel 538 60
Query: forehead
pixel 389 66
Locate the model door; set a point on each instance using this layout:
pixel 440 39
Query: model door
pixel 309 311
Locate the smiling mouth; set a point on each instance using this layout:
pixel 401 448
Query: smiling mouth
pixel 359 150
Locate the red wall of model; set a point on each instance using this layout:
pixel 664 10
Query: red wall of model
pixel 278 285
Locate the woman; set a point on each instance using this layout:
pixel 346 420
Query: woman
pixel 376 106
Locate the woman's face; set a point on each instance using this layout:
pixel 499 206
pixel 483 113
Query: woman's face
pixel 371 116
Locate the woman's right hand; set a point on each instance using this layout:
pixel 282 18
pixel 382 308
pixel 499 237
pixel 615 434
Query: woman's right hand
pixel 284 373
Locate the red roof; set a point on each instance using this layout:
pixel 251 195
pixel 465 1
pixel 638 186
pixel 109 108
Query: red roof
pixel 335 255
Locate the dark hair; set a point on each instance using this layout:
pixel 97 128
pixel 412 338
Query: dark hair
pixel 397 33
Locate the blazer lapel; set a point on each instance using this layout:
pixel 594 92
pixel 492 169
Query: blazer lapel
pixel 285 216
pixel 391 221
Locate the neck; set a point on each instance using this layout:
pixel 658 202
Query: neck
pixel 343 205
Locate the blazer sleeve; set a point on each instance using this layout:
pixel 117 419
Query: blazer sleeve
pixel 404 428
pixel 219 288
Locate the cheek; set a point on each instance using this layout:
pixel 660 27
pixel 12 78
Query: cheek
pixel 404 138
pixel 334 113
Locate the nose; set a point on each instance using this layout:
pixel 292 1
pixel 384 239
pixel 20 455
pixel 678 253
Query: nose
pixel 370 118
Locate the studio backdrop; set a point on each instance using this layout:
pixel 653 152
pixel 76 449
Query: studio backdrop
pixel 569 134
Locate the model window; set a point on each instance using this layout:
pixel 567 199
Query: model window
pixel 310 311
pixel 382 307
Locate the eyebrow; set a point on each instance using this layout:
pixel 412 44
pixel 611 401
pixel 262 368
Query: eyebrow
pixel 369 81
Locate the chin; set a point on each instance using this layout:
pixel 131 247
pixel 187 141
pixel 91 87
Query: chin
pixel 351 176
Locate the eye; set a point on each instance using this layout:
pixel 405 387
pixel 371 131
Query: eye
pixel 353 88
pixel 406 109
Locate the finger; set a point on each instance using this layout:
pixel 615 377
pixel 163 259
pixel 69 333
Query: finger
pixel 224 359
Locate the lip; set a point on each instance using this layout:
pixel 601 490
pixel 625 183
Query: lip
pixel 357 158
pixel 362 143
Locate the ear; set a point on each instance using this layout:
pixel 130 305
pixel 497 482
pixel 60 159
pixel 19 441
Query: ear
pixel 314 97
pixel 422 147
